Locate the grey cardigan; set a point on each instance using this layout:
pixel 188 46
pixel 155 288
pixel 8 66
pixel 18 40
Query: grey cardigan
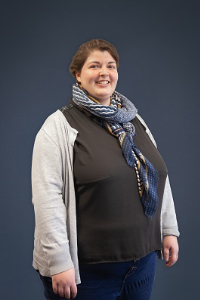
pixel 55 243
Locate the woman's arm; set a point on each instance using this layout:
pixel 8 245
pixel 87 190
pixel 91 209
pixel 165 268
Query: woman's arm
pixel 169 225
pixel 50 213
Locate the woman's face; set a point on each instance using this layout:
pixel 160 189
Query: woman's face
pixel 99 76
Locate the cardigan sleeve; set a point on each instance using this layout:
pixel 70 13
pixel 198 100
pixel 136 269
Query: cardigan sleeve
pixel 51 239
pixel 169 225
pixel 168 214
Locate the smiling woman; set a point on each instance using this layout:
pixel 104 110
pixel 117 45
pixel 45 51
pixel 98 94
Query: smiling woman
pixel 99 76
pixel 103 203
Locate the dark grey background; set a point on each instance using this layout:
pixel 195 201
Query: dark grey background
pixel 158 43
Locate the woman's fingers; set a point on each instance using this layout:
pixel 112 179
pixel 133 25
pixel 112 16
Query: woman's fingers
pixel 73 291
pixel 61 290
pixel 55 288
pixel 67 293
pixel 166 254
pixel 64 284
pixel 173 258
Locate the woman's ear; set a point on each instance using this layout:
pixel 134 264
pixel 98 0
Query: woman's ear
pixel 78 77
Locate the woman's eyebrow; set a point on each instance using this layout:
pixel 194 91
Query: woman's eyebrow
pixel 94 62
pixel 97 62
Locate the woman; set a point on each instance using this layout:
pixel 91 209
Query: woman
pixel 99 183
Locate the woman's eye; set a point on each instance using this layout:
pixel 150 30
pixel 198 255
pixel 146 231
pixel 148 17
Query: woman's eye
pixel 98 66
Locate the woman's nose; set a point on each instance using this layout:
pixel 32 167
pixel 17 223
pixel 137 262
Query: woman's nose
pixel 104 72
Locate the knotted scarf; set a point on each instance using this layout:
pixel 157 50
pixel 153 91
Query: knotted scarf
pixel 116 119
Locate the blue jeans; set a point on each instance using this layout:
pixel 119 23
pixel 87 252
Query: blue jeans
pixel 132 280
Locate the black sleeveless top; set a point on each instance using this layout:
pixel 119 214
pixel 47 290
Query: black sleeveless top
pixel 111 224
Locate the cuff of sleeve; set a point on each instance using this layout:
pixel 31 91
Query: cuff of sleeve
pixel 60 260
pixel 174 232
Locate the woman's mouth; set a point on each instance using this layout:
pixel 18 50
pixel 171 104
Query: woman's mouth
pixel 103 82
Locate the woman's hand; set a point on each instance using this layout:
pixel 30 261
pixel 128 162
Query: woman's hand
pixel 64 284
pixel 170 249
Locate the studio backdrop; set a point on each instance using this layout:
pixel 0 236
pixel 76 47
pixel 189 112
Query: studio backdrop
pixel 158 43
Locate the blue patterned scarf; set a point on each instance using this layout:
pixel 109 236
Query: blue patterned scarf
pixel 116 119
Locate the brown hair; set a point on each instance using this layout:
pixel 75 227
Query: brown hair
pixel 84 51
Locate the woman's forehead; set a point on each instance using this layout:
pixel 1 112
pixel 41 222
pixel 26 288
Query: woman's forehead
pixel 97 56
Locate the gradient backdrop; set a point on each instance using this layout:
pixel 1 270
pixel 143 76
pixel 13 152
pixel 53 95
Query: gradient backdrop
pixel 159 48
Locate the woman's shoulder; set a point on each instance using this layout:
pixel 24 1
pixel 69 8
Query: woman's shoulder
pixel 146 128
pixel 55 119
pixel 57 126
pixel 142 121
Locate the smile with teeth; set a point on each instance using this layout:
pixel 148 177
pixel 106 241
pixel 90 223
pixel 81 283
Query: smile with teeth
pixel 103 82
